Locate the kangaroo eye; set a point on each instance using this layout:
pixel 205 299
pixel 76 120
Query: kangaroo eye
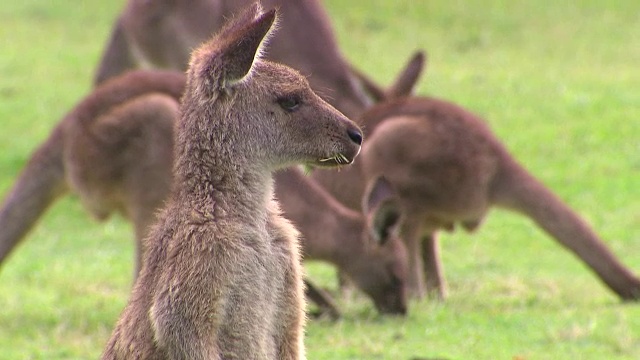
pixel 289 103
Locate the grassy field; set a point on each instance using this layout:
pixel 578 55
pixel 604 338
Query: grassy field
pixel 557 82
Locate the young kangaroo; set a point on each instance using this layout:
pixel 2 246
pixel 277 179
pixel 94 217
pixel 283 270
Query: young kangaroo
pixel 162 34
pixel 221 278
pixel 366 249
pixel 448 168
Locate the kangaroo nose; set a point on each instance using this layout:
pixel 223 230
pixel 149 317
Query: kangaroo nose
pixel 355 135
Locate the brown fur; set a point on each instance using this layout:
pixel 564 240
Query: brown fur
pixel 162 34
pixel 113 150
pixel 366 249
pixel 221 278
pixel 75 155
pixel 119 159
pixel 449 169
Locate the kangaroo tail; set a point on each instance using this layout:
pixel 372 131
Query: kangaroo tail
pixel 521 192
pixel 39 184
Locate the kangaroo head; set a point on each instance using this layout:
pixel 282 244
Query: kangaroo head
pixel 269 114
pixel 382 274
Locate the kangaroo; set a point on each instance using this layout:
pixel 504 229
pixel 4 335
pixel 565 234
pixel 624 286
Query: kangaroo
pixel 221 277
pixel 114 151
pixel 84 154
pixel 448 169
pixel 114 162
pixel 367 249
pixel 162 33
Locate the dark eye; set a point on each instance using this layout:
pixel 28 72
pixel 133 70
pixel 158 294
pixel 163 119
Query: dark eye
pixel 289 103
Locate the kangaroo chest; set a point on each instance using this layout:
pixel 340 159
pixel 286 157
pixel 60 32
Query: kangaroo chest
pixel 265 294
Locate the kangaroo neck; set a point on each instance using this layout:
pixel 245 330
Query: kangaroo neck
pixel 214 167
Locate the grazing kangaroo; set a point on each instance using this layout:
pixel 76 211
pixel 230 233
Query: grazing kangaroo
pixel 221 277
pixel 448 169
pixel 84 153
pixel 162 33
pixel 367 249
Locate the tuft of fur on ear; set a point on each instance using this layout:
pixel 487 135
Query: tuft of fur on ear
pixel 228 57
pixel 380 204
pixel 248 15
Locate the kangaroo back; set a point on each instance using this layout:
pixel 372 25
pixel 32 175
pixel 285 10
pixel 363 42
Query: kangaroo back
pixel 122 127
pixel 162 34
pixel 79 144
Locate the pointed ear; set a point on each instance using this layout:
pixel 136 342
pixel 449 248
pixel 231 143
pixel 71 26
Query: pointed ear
pixel 377 190
pixel 228 57
pixel 408 78
pixel 375 91
pixel 240 20
pixel 243 46
pixel 385 220
pixel 403 86
pixel 382 209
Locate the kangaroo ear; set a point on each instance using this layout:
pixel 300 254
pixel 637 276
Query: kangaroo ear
pixel 373 90
pixel 404 84
pixel 408 78
pixel 247 16
pixel 382 209
pixel 377 191
pixel 228 57
pixel 243 46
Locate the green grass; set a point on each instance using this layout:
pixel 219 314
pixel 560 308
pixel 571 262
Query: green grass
pixel 558 83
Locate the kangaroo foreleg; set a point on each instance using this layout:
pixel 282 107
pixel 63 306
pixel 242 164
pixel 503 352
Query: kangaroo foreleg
pixel 324 302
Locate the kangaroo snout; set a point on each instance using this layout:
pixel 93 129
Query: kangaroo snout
pixel 355 135
pixel 353 148
pixel 342 146
pixel 352 143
